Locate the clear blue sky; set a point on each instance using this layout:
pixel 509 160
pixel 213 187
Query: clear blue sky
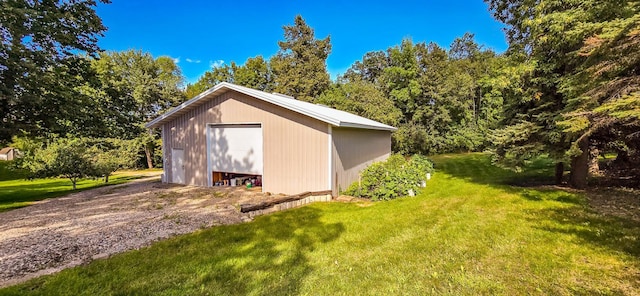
pixel 199 34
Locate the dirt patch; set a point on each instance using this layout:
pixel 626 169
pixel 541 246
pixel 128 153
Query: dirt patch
pixel 58 233
pixel 620 202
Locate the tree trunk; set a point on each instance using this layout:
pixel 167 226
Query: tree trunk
pixel 622 159
pixel 594 166
pixel 559 172
pixel 147 152
pixel 73 182
pixel 106 178
pixel 580 166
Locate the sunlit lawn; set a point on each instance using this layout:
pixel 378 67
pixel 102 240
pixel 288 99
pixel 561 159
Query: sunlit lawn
pixel 467 234
pixel 16 191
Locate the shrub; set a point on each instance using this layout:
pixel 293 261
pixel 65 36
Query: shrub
pixel 75 158
pixel 393 178
pixel 68 158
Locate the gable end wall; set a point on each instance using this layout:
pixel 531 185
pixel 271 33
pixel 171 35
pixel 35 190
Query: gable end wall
pixel 294 145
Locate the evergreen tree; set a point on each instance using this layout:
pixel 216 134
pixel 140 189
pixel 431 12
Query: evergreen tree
pixel 585 61
pixel 299 67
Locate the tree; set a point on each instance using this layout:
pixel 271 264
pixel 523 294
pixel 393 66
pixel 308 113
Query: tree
pixel 110 155
pixel 209 79
pixel 585 62
pixel 370 68
pixel 255 73
pixel 362 98
pixel 38 65
pixel 130 89
pixel 299 67
pixel 68 158
pixel 445 98
pixel 400 79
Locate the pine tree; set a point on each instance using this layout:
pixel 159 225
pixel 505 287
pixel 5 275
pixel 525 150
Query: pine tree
pixel 299 67
pixel 585 57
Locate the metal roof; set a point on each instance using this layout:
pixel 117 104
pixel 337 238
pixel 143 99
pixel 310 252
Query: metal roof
pixel 331 116
pixel 6 150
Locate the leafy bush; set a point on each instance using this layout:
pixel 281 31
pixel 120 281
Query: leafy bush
pixel 75 158
pixel 393 178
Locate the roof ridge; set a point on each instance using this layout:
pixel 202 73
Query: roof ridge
pixel 335 117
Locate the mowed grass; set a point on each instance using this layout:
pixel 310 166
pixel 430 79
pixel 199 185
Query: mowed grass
pixel 16 191
pixel 467 234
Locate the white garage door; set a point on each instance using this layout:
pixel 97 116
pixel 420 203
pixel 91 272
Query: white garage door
pixel 236 148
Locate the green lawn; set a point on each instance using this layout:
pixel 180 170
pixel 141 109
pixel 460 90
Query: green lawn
pixel 17 192
pixel 467 234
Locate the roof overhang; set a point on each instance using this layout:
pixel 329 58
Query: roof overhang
pixel 275 99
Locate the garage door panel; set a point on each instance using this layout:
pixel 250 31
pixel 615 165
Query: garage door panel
pixel 237 149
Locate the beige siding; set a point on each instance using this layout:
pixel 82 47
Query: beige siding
pixel 353 150
pixel 294 145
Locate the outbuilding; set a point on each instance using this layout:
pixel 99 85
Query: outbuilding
pixel 9 153
pixel 287 145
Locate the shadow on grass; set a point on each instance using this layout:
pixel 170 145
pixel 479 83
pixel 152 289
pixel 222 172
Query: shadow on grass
pixel 265 266
pixel 266 257
pixel 573 217
pixel 614 233
pixel 477 168
pixel 548 194
pixel 8 172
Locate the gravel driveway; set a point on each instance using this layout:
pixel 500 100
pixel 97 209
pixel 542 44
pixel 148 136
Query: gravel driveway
pixel 58 233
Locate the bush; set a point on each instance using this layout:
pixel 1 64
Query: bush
pixel 393 178
pixel 75 158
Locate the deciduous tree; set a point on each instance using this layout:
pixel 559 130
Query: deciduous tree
pixel 38 64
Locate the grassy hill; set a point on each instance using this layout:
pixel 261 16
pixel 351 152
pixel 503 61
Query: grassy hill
pixel 468 233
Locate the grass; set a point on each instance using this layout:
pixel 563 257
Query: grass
pixel 16 191
pixel 468 233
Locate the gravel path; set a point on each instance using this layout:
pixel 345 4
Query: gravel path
pixel 58 233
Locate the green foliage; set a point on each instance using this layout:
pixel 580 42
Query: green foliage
pixel 393 178
pixel 10 171
pixel 361 98
pixel 209 79
pixel 110 155
pixel 446 99
pixel 255 73
pixel 299 67
pixel 422 164
pixel 38 68
pixel 76 158
pixel 130 88
pixel 69 158
pixel 584 57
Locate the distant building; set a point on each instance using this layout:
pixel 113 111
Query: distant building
pixel 9 153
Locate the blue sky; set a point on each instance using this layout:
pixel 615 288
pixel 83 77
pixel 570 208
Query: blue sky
pixel 199 34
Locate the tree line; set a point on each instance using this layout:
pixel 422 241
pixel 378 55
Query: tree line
pixel 566 88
